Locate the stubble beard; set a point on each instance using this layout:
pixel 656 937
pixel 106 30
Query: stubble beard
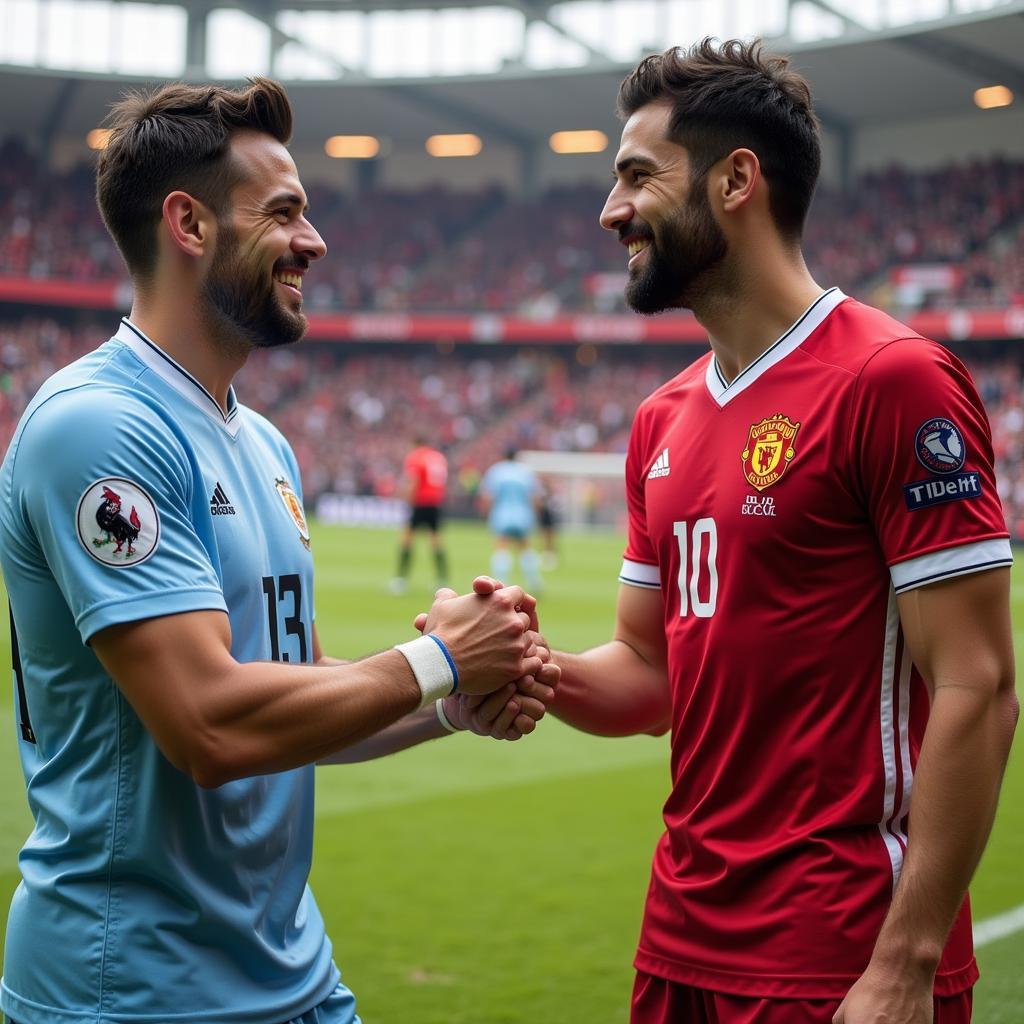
pixel 682 259
pixel 239 301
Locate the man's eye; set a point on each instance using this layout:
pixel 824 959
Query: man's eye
pixel 283 212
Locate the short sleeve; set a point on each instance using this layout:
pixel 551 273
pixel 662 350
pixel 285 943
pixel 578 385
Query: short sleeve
pixel 640 562
pixel 104 485
pixel 922 447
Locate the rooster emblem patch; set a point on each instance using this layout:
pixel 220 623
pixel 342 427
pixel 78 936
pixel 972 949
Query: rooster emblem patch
pixel 118 523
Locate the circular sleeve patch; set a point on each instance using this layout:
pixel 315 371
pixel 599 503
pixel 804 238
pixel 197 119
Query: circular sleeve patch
pixel 940 446
pixel 117 522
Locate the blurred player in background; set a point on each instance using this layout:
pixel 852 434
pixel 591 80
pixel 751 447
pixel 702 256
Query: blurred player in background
pixel 172 692
pixel 547 526
pixel 815 592
pixel 426 479
pixel 509 495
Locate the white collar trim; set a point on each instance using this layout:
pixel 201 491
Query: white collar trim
pixel 168 369
pixel 808 322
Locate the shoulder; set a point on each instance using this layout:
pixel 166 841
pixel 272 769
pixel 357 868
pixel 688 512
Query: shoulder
pixel 859 338
pixel 72 415
pixel 912 370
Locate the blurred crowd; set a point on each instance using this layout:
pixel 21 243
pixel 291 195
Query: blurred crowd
pixel 439 249
pixel 903 240
pixel 351 412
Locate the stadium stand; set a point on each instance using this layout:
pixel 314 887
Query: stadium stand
pixel 906 241
pixel 949 239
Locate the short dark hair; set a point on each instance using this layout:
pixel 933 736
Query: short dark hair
pixel 177 137
pixel 733 95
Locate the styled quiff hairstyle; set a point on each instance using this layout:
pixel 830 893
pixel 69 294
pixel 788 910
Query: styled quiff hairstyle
pixel 732 95
pixel 177 137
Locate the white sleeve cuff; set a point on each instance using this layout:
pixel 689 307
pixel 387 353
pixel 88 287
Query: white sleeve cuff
pixel 950 562
pixel 640 574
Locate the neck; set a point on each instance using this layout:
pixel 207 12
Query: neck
pixel 745 309
pixel 178 328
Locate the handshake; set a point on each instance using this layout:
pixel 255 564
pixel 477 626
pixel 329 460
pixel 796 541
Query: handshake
pixel 506 676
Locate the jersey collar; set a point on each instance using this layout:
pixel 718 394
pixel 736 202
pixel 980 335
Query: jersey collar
pixel 806 324
pixel 178 377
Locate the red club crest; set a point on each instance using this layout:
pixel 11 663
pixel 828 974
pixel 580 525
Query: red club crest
pixel 769 450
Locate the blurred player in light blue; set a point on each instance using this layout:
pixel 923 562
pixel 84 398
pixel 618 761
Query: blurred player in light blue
pixel 172 695
pixel 510 494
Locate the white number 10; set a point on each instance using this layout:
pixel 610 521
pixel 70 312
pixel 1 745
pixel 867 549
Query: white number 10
pixel 689 594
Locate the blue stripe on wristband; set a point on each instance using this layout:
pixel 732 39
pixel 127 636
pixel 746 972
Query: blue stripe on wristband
pixel 447 657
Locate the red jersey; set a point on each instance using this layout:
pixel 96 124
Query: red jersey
pixel 780 514
pixel 428 471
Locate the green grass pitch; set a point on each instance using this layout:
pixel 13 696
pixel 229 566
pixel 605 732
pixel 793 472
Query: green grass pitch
pixel 474 882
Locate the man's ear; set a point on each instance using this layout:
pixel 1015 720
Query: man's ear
pixel 740 173
pixel 190 224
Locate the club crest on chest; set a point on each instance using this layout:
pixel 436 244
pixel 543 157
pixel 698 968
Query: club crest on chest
pixel 769 450
pixel 294 508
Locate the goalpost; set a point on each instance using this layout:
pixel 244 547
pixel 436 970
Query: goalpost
pixel 585 488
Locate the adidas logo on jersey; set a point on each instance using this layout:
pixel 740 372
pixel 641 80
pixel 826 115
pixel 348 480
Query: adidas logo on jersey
pixel 660 467
pixel 219 504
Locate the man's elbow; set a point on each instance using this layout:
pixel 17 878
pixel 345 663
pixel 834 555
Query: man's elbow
pixel 208 758
pixel 206 766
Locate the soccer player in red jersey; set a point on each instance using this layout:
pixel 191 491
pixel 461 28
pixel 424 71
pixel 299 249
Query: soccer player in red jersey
pixel 426 474
pixel 815 592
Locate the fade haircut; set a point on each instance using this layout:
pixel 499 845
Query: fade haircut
pixel 732 95
pixel 177 137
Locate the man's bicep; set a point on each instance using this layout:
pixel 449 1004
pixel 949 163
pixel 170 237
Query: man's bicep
pixel 640 623
pixel 958 631
pixel 168 669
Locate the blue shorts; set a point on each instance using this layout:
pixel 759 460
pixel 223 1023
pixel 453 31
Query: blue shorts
pixel 338 1008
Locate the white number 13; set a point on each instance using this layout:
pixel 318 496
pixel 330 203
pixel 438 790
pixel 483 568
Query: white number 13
pixel 692 565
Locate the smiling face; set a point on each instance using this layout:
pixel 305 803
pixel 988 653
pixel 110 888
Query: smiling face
pixel 662 216
pixel 265 244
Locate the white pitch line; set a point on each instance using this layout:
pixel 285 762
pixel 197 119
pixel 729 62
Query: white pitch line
pixel 998 927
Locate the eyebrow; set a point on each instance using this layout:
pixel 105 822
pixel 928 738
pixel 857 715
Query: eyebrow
pixel 633 161
pixel 292 198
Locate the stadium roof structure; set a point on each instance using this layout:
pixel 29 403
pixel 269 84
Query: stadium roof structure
pixel 860 75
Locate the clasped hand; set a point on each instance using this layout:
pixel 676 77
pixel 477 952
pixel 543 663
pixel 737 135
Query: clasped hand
pixel 502 707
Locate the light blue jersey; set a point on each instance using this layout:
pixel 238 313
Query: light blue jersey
pixel 513 489
pixel 128 494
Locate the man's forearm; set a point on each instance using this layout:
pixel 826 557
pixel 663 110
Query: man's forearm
pixel 955 793
pixel 611 691
pixel 407 732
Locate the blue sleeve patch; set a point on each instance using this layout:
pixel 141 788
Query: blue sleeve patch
pixel 936 491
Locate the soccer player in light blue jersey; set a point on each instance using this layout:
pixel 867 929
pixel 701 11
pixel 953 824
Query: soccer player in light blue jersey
pixel 510 494
pixel 172 694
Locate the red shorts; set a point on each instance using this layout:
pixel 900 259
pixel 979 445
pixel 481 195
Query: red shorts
pixel 659 1001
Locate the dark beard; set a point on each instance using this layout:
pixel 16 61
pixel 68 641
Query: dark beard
pixel 688 246
pixel 241 303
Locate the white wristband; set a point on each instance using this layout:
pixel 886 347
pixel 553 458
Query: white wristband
pixel 432 666
pixel 443 718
